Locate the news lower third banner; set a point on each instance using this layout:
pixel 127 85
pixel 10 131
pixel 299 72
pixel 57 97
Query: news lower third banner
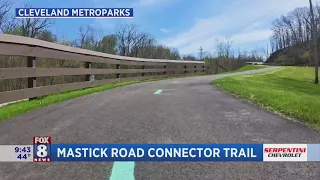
pixel 74 12
pixel 160 152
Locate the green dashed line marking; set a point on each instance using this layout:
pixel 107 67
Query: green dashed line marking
pixel 122 171
pixel 158 91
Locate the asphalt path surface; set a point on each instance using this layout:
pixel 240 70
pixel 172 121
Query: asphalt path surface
pixel 187 110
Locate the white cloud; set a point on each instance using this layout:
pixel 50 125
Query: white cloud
pixel 164 30
pixel 244 20
pixel 251 36
pixel 238 39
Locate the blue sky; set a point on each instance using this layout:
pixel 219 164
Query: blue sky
pixel 182 24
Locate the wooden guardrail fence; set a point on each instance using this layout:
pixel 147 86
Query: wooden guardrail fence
pixel 32 49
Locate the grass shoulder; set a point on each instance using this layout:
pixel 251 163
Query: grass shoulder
pixel 250 67
pixel 18 108
pixel 247 68
pixel 288 90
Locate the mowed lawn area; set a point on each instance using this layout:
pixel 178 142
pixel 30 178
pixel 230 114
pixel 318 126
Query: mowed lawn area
pixel 288 90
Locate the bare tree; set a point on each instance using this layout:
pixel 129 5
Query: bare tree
pixel 266 51
pixel 132 42
pixel 224 47
pixel 293 29
pixel 175 55
pixel 206 55
pixel 126 34
pixel 219 48
pixel 5 7
pixel 146 48
pixel 87 38
pixel 140 41
pixel 31 27
pixel 189 57
pixel 227 46
pixel 257 54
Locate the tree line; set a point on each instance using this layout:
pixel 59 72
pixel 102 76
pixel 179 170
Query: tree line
pixel 291 40
pixel 293 29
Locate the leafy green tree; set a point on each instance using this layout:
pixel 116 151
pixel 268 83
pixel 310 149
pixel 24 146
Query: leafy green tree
pixel 47 35
pixel 108 44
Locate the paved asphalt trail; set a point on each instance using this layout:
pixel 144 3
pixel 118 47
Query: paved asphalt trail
pixel 188 110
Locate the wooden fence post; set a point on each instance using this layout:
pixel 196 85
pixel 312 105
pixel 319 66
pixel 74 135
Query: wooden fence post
pixel 143 67
pixel 118 74
pixel 165 72
pixel 89 77
pixel 32 81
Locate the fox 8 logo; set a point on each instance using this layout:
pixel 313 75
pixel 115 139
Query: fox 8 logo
pixel 42 149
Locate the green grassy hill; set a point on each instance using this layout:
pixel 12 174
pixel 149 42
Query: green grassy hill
pixel 292 56
pixel 288 90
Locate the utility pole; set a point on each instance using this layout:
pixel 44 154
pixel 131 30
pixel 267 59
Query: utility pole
pixel 315 46
pixel 200 53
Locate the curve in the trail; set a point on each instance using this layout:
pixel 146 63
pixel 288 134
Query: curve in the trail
pixel 186 110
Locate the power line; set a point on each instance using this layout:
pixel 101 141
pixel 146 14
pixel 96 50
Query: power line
pixel 261 17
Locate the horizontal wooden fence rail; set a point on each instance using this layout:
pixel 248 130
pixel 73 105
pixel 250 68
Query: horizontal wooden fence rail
pixel 10 73
pixel 122 67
